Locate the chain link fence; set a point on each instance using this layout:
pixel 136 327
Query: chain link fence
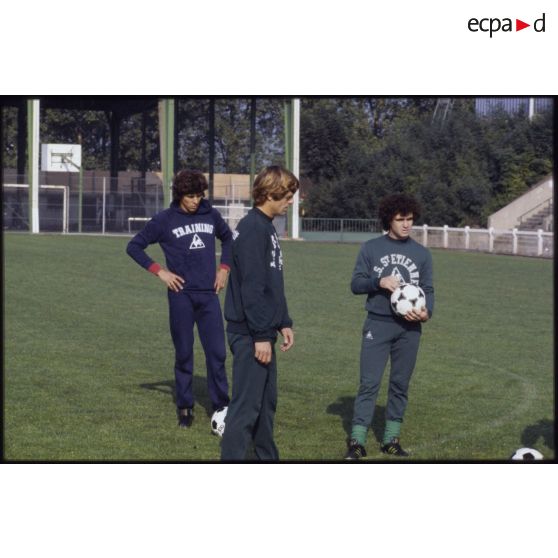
pixel 339 230
pixel 107 206
pixel 110 207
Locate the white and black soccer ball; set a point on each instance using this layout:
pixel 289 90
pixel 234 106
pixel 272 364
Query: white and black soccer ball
pixel 407 297
pixel 218 421
pixel 527 454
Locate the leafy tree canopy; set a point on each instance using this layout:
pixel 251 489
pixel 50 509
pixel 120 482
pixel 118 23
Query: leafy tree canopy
pixel 353 150
pixel 462 169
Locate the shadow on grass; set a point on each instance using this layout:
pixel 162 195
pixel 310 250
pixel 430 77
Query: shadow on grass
pixel 199 386
pixel 543 429
pixel 343 407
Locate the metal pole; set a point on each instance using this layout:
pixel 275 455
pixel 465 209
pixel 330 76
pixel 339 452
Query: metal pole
pixel 104 203
pixel 252 139
pixel 167 147
pixel 296 166
pixel 33 113
pixel 21 142
pixel 288 149
pixel 211 142
pixel 143 161
pixel 176 108
pixel 170 147
pixel 80 185
pixel 65 199
pixel 80 199
pixel 288 133
pixel 115 121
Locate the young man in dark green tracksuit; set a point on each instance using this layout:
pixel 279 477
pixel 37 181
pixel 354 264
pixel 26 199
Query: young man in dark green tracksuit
pixel 256 310
pixel 382 265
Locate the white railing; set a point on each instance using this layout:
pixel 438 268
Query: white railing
pixel 314 225
pixel 106 212
pixel 499 241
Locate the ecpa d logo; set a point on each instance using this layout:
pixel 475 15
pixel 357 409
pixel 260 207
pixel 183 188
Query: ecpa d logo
pixel 492 25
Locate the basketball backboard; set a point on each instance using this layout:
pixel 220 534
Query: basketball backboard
pixel 60 157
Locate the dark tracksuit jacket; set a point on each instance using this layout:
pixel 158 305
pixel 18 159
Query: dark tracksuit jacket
pixel 255 304
pixel 188 242
pixel 384 256
pixel 385 335
pixel 255 310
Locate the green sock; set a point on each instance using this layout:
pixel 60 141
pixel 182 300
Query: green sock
pixel 358 433
pixel 393 428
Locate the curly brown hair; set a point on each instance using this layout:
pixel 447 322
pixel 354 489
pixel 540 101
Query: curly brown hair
pixel 393 204
pixel 188 182
pixel 275 182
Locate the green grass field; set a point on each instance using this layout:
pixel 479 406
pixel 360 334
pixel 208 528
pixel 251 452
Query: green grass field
pixel 88 361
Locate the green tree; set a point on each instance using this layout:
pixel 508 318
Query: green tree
pixel 232 133
pixel 9 136
pixel 130 156
pixel 461 169
pixel 88 128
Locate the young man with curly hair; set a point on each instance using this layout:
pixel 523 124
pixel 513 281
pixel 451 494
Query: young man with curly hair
pixel 256 311
pixel 382 265
pixel 186 232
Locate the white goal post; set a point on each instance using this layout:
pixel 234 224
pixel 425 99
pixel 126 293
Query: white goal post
pixel 65 199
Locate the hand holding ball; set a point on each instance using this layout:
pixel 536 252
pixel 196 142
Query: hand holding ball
pixel 407 297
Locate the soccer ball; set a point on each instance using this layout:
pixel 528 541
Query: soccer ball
pixel 407 297
pixel 527 454
pixel 218 421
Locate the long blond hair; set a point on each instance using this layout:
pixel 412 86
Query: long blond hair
pixel 275 182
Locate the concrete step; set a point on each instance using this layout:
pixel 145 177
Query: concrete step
pixel 537 220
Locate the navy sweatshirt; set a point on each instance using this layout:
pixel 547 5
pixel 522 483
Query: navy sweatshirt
pixel 188 242
pixel 255 302
pixel 383 256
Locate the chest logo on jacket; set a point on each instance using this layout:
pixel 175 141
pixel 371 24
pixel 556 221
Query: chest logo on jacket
pixel 397 274
pixel 276 254
pixel 192 229
pixel 395 261
pixel 197 243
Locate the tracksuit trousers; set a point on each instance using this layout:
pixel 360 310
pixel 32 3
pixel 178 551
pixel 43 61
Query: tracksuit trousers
pixel 202 308
pixel 253 404
pixel 382 340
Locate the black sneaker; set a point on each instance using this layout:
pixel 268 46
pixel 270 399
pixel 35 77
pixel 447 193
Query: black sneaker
pixel 185 417
pixel 393 448
pixel 355 450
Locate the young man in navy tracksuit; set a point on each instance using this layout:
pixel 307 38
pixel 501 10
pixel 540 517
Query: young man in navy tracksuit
pixel 256 310
pixel 382 265
pixel 186 232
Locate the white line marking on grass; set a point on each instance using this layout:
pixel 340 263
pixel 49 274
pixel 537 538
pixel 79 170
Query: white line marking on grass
pixel 529 395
